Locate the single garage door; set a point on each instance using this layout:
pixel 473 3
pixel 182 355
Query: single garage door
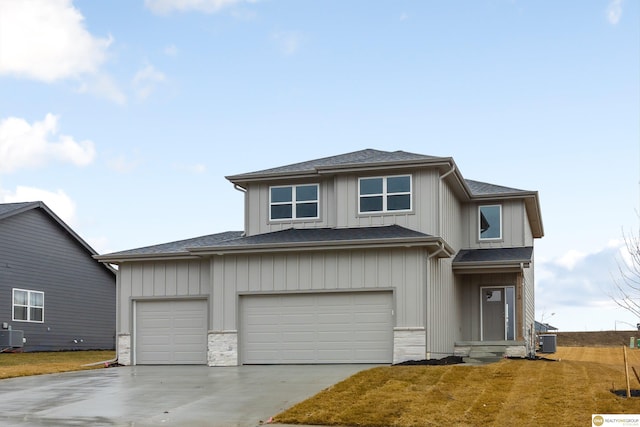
pixel 171 332
pixel 354 327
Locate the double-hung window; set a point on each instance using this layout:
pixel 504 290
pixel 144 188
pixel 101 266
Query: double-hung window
pixel 384 194
pixel 293 202
pixel 28 306
pixel 490 222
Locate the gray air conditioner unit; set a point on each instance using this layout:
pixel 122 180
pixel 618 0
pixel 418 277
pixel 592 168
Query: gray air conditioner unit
pixel 11 339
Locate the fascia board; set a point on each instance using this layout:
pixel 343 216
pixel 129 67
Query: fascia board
pixel 471 267
pixel 243 179
pixel 119 259
pixel 402 164
pixel 434 242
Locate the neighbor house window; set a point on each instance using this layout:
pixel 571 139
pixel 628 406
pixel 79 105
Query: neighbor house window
pixel 28 306
pixel 490 222
pixel 293 202
pixel 385 194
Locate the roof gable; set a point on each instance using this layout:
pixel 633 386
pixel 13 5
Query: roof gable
pixel 8 210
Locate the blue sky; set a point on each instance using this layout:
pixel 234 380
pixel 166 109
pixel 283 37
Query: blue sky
pixel 125 116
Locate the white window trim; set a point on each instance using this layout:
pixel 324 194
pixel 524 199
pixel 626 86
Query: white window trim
pixel 28 306
pixel 484 239
pixel 294 202
pixel 384 194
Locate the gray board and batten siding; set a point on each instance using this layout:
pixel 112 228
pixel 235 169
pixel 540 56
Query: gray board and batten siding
pixel 38 252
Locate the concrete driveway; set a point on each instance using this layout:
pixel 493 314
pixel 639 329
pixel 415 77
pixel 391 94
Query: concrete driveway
pixel 244 396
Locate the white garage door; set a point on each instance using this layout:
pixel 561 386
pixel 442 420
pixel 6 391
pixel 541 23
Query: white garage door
pixel 171 332
pixel 355 327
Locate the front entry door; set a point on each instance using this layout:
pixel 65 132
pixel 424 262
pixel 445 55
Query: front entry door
pixel 493 314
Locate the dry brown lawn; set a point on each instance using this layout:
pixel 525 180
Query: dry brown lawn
pixel 25 364
pixel 565 391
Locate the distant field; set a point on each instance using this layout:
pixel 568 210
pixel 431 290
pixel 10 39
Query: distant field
pixel 595 339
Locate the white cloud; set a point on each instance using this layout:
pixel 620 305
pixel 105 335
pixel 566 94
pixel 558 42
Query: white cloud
pixel 170 50
pixel 404 16
pixel 59 202
pixel 614 11
pixel 102 86
pixel 25 145
pixel 571 258
pixel 288 42
pixel 197 168
pixel 207 6
pixel 146 80
pixel 122 164
pixel 47 40
pixel 578 282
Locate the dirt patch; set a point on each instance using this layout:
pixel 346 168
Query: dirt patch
pixel 449 360
pixel 595 338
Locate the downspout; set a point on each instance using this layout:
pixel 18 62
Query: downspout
pixel 243 191
pixel 440 249
pixel 428 297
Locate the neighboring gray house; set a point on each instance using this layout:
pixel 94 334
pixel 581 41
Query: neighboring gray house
pixel 365 257
pixel 544 327
pixel 51 288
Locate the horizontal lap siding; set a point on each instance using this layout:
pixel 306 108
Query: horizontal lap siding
pixel 79 292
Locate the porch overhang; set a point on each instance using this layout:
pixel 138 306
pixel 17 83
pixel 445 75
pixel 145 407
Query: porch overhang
pixel 495 260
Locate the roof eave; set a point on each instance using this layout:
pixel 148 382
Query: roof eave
pixel 119 259
pixel 400 164
pixel 335 169
pixel 515 266
pixel 439 246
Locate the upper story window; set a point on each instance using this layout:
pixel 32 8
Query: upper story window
pixel 293 202
pixel 384 194
pixel 28 306
pixel 490 222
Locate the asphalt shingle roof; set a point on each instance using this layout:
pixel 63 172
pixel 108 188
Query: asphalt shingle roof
pixel 306 235
pixel 292 235
pixel 7 209
pixel 357 157
pixel 180 246
pixel 522 254
pixel 483 188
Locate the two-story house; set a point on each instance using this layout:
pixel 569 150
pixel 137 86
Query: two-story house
pixel 365 257
pixel 53 294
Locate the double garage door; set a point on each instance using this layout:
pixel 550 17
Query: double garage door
pixel 344 327
pixel 353 327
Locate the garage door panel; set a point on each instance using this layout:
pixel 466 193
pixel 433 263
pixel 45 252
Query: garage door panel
pixel 171 332
pixel 317 328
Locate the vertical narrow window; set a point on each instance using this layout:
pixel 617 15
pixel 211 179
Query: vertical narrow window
pixel 384 194
pixel 490 222
pixel 293 202
pixel 28 306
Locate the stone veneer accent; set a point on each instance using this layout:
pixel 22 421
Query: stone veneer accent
pixel 124 349
pixel 222 348
pixel 409 344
